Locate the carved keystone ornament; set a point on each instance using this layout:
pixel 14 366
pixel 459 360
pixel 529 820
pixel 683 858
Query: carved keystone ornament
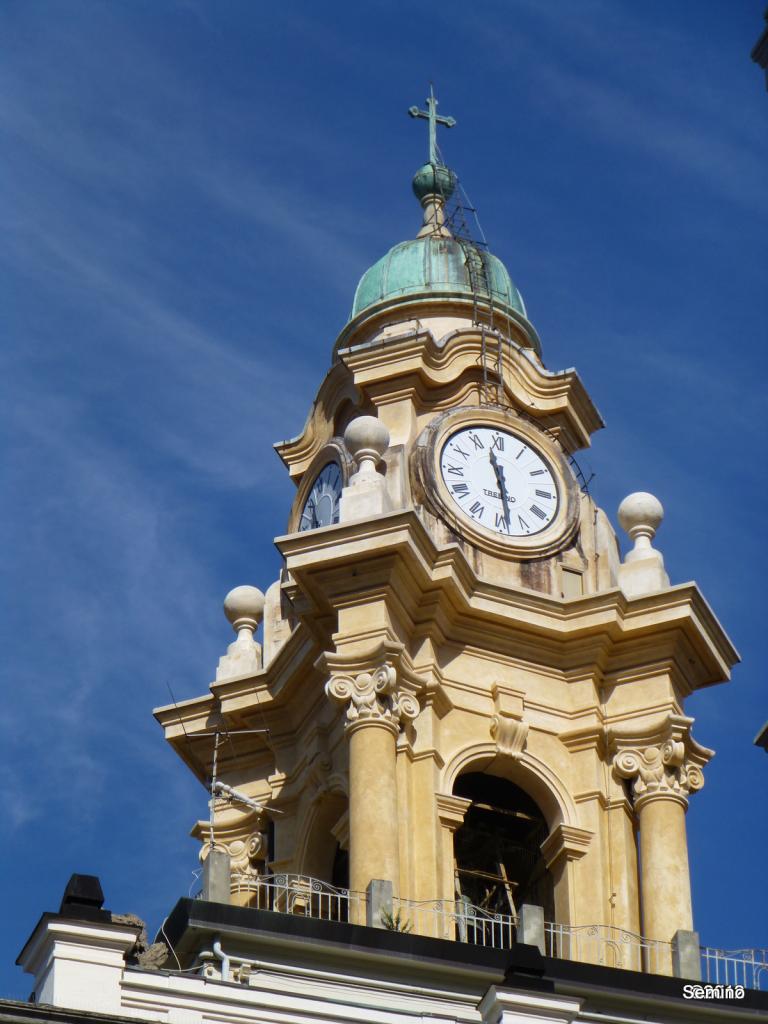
pixel 372 696
pixel 508 729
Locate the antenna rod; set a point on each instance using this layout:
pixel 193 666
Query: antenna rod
pixel 214 769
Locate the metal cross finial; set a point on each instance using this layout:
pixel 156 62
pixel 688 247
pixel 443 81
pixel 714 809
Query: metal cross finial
pixel 431 115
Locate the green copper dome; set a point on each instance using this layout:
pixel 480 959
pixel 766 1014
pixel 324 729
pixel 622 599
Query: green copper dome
pixel 437 265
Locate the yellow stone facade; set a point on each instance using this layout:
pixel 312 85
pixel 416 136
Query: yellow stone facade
pixel 404 648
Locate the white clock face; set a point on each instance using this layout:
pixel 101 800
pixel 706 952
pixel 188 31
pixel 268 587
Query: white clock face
pixel 322 505
pixel 499 481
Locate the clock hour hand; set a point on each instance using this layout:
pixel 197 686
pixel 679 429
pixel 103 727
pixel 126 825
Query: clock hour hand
pixel 502 488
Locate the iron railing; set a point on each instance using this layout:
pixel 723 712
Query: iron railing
pixel 746 967
pixel 454 919
pixel 299 894
pixel 608 946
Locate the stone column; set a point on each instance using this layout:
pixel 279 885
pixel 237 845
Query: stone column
pixel 373 832
pixel 374 708
pixel 666 883
pixel 662 777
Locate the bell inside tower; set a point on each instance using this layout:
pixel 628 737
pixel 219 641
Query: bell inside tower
pixel 498 864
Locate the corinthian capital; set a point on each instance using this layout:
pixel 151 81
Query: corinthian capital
pixel 372 696
pixel 670 767
pixel 243 837
pixel 658 771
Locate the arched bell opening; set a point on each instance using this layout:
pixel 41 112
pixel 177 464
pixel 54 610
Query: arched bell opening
pixel 498 863
pixel 324 855
pixel 340 868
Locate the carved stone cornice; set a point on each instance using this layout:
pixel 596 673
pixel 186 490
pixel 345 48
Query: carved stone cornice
pixel 590 736
pixel 565 841
pixel 381 693
pixel 451 810
pixel 396 551
pixel 433 371
pixel 664 764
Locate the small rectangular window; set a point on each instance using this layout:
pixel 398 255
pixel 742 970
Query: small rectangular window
pixel 572 583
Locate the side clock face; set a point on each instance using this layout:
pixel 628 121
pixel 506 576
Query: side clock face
pixel 499 481
pixel 322 505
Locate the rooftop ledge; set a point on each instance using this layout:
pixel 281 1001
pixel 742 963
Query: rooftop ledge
pixel 264 958
pixel 258 934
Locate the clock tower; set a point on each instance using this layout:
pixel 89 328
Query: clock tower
pixel 467 708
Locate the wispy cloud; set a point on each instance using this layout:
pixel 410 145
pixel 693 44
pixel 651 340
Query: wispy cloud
pixel 126 403
pixel 728 166
pixel 676 113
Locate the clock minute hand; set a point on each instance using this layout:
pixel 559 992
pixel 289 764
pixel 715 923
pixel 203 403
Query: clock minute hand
pixel 500 480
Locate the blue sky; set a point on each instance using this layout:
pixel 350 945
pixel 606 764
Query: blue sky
pixel 191 192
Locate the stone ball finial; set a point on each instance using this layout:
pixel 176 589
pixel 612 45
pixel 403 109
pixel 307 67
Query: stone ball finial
pixel 642 571
pixel 366 439
pixel 640 515
pixel 244 607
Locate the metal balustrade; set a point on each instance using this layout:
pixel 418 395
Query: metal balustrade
pixel 462 921
pixel 454 919
pixel 746 967
pixel 608 946
pixel 299 894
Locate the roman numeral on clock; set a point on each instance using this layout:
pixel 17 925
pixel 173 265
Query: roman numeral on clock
pixel 460 489
pixel 476 441
pixel 456 470
pixel 502 521
pixel 498 442
pixel 538 472
pixel 477 509
pixel 544 494
pixel 538 512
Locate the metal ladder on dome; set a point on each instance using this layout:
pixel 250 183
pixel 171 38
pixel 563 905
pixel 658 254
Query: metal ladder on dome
pixel 476 259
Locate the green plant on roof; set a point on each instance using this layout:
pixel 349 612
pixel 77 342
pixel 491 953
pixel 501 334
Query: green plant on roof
pixel 395 922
